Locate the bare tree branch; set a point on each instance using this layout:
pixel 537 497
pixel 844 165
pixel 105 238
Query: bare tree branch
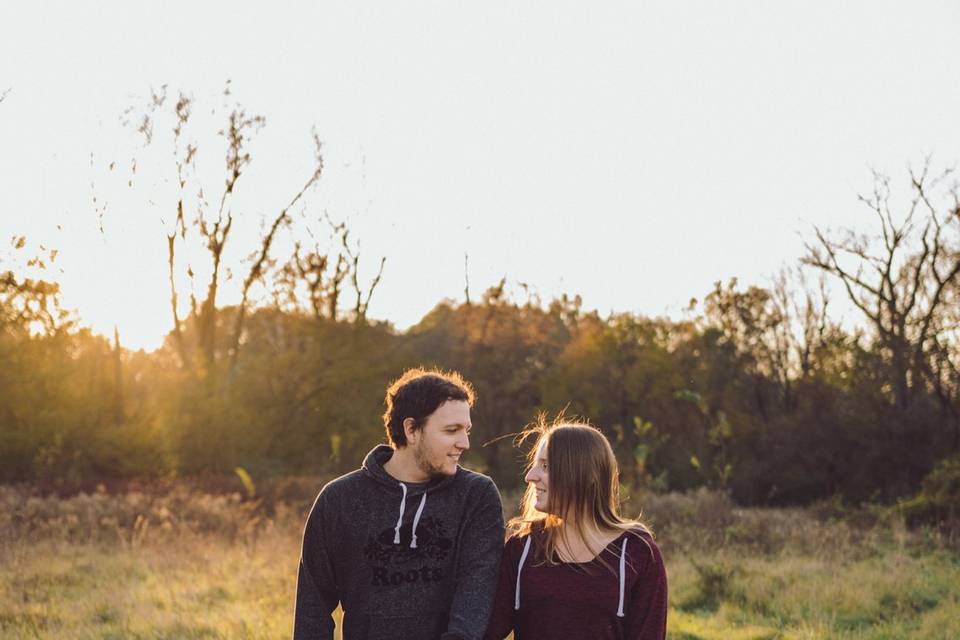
pixel 916 265
pixel 256 269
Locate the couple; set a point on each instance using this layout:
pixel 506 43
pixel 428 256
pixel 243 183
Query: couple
pixel 412 545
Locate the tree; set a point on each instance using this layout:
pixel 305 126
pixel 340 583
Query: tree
pixel 210 241
pixel 31 305
pixel 901 286
pixel 776 332
pixel 199 230
pixel 318 276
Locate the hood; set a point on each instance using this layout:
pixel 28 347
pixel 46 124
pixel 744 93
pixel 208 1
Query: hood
pixel 373 468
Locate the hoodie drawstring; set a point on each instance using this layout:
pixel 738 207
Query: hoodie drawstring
pixel 416 521
pixel 403 502
pixel 416 518
pixel 523 558
pixel 623 573
pixel 623 566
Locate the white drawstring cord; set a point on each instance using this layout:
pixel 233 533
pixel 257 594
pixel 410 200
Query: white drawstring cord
pixel 403 501
pixel 416 521
pixel 623 565
pixel 523 558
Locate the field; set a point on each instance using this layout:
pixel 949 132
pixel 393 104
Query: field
pixel 175 561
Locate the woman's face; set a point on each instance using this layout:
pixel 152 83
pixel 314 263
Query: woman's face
pixel 537 476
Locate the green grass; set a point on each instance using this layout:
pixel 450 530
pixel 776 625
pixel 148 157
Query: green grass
pixel 235 577
pixel 888 596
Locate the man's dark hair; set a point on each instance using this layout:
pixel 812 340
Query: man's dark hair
pixel 417 394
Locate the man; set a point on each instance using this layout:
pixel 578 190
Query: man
pixel 410 543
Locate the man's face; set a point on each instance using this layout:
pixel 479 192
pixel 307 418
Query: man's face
pixel 444 437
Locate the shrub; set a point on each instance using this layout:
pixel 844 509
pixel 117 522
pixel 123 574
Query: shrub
pixel 938 503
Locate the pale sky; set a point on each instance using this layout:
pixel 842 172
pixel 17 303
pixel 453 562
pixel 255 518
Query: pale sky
pixel 630 152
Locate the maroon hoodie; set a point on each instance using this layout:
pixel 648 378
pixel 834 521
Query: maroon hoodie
pixel 625 600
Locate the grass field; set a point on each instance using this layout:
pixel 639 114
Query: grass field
pixel 184 564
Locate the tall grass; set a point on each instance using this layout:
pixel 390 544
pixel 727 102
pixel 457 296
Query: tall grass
pixel 177 562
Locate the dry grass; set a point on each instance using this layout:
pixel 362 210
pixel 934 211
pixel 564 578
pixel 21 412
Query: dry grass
pixel 181 563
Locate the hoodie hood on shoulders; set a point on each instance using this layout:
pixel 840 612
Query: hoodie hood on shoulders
pixel 373 468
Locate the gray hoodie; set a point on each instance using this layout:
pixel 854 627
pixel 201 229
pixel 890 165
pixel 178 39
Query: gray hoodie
pixel 405 561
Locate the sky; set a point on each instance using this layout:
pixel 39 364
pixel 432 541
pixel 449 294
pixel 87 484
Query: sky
pixel 630 152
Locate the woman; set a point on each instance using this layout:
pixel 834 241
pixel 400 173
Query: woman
pixel 572 566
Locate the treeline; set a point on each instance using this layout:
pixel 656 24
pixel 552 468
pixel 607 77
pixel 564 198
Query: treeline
pixel 732 398
pixel 758 390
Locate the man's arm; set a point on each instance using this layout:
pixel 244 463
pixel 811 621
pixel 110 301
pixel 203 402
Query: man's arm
pixel 316 586
pixel 481 547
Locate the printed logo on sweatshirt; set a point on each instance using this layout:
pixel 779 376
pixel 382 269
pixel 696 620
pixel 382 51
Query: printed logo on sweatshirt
pixel 432 544
pixel 387 557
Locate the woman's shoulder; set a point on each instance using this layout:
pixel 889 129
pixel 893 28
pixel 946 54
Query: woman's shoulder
pixel 642 538
pixel 513 547
pixel 640 531
pixel 517 538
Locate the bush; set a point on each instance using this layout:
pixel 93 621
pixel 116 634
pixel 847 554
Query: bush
pixel 938 503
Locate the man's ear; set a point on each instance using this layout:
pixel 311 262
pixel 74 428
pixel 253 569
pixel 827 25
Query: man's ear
pixel 409 430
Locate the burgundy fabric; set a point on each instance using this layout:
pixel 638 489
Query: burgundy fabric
pixel 579 600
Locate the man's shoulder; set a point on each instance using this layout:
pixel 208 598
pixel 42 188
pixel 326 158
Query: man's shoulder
pixel 346 483
pixel 471 476
pixel 476 480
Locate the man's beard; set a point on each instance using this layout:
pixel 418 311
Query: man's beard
pixel 423 463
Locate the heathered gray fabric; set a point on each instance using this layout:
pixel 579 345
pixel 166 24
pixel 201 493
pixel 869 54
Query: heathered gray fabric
pixel 441 590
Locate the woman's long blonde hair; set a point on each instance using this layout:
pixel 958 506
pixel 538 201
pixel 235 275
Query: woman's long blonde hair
pixel 584 485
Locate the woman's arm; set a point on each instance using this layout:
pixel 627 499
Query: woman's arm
pixel 646 610
pixel 501 618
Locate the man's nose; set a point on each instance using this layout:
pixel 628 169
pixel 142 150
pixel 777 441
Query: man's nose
pixel 464 442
